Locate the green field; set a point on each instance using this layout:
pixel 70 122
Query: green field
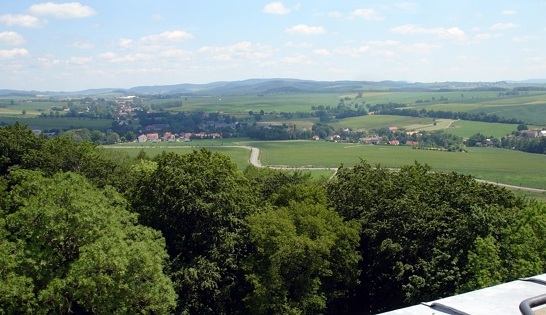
pixel 465 129
pixel 243 104
pixel 497 165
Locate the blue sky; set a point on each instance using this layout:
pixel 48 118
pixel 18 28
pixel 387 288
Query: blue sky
pixel 67 46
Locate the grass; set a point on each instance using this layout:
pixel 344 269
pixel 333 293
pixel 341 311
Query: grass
pixel 497 165
pixel 239 156
pixel 465 129
pixel 243 104
pixel 382 121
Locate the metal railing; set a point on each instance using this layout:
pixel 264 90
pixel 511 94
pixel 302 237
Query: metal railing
pixel 526 307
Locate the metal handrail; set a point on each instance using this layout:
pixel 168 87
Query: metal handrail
pixel 526 306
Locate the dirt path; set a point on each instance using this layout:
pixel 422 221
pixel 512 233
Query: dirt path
pixel 255 160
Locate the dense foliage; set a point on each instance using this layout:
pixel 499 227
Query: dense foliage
pixel 85 231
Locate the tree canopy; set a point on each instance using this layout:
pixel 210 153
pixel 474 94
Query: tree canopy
pixel 87 230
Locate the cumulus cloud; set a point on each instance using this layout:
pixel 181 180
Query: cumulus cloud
pixel 176 53
pixel 322 52
pixel 412 29
pixel 299 59
pixel 367 14
pixel 80 61
pixel 12 53
pixel 115 58
pixel 502 26
pixel 302 29
pixel 20 20
pixel 276 8
pixel 11 38
pixel 81 44
pixel 245 50
pixel 125 43
pixel 168 36
pixel 524 38
pixel 70 10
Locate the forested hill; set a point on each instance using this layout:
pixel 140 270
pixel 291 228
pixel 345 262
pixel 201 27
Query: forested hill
pixel 87 230
pixel 282 85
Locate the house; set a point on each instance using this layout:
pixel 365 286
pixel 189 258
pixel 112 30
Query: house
pixel 315 137
pixel 142 138
pixel 154 137
pixel 393 129
pixel 394 142
pixel 370 140
pixel 412 143
pixel 531 133
pixel 168 137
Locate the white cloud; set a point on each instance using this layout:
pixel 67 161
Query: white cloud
pixel 292 44
pixel 353 51
pixel 276 8
pixel 322 52
pixel 80 61
pixel 115 58
pixel 176 53
pixel 412 29
pixel 486 36
pixel 11 38
pixel 524 38
pixel 168 36
pixel 83 45
pixel 509 12
pixel 299 59
pixel 12 53
pixel 367 14
pixel 302 29
pixel 502 26
pixel 70 10
pixel 421 48
pixel 20 20
pixel 125 43
pixel 245 50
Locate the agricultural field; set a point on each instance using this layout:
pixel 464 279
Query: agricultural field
pixel 465 129
pixel 245 103
pixel 381 121
pixel 496 165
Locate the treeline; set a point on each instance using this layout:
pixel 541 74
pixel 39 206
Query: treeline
pixel 513 142
pixel 481 116
pixel 90 230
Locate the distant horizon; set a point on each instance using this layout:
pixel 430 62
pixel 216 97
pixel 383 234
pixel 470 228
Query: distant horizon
pixel 526 81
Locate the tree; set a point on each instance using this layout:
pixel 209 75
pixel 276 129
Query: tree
pixel 304 259
pixel 64 154
pixel 200 202
pixel 15 142
pixel 418 228
pixel 70 247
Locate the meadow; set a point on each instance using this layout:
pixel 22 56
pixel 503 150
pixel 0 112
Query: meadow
pixel 496 165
